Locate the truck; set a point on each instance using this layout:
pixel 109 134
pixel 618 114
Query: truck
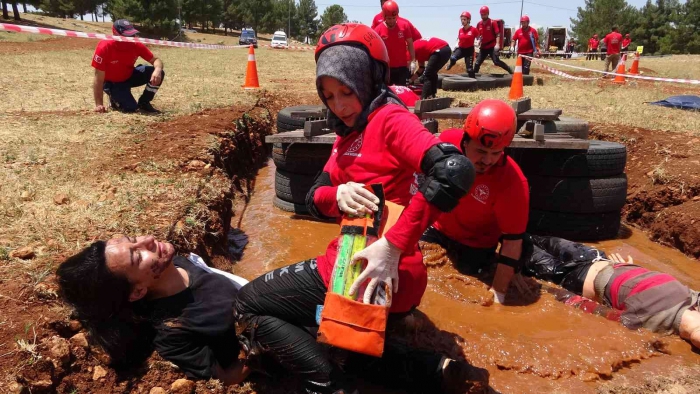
pixel 506 48
pixel 555 42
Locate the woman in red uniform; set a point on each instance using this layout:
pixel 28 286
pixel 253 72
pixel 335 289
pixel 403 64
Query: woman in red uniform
pixel 465 47
pixel 378 141
pixel 436 53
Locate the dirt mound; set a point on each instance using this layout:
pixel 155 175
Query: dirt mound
pixel 663 196
pixel 50 45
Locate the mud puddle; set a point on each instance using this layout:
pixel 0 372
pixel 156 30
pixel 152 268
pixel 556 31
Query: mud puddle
pixel 545 346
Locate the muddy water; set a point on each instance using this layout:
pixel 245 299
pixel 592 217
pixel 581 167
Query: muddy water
pixel 545 346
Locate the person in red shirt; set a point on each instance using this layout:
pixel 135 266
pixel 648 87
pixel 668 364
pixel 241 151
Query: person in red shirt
pixel 527 40
pixel 465 44
pixel 397 35
pixel 593 48
pixel 497 205
pixel 378 141
pixel 626 43
pixel 490 41
pixel 115 73
pixel 612 42
pixel 435 52
pixel 379 19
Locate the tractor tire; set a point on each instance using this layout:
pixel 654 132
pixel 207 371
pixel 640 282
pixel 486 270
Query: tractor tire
pixel 485 83
pixel 459 84
pixel 577 195
pixel 502 80
pixel 285 121
pixel 602 159
pixel 292 187
pixel 299 209
pixel 576 128
pixel 575 226
pixel 440 78
pixel 307 159
pixel 528 80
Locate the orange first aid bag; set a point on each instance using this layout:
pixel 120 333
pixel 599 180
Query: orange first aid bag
pixel 354 325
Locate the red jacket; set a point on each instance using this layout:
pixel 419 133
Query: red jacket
pixel 389 151
pixel 466 36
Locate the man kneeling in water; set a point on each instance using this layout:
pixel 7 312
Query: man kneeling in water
pixel 649 299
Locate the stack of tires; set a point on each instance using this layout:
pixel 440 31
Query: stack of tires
pixel 296 164
pixel 575 194
pixel 463 83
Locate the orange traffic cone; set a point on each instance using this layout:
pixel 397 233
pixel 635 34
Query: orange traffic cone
pixel 516 86
pixel 620 79
pixel 635 65
pixel 251 74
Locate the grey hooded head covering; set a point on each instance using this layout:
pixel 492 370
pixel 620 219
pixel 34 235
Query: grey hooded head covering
pixel 353 67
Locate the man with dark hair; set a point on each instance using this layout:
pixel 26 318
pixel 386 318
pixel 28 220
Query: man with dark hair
pixel 612 43
pixel 490 34
pixel 115 73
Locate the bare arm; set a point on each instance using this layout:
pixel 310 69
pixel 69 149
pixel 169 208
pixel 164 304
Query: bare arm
pixel 234 374
pixel 511 249
pixel 158 65
pixel 97 86
pixel 411 51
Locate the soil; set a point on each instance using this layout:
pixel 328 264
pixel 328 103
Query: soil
pixel 663 196
pixel 49 45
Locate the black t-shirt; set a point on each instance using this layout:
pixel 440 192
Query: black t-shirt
pixel 195 328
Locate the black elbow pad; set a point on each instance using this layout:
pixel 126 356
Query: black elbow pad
pixel 323 179
pixel 449 176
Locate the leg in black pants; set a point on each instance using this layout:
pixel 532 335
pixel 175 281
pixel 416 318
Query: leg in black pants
pixel 498 62
pixel 494 57
pixel 469 61
pixel 527 63
pixel 278 305
pixel 430 75
pixel 120 92
pixel 398 76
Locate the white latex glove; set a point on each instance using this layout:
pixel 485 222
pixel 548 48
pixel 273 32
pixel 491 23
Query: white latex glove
pixel 413 68
pixel 354 199
pixel 496 48
pixel 382 266
pixel 498 297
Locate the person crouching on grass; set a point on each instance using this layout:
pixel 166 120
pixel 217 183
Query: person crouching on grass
pixel 115 73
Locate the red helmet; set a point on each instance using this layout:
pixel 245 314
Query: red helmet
pixel 390 8
pixel 359 35
pixel 492 123
pixel 484 10
pixel 525 18
pixel 465 14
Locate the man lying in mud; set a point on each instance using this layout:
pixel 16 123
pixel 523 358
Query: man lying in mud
pixel 135 294
pixel 652 300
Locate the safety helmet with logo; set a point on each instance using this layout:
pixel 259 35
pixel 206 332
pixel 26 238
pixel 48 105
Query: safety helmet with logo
pixel 491 123
pixel 359 35
pixel 390 8
pixel 465 14
pixel 525 18
pixel 484 10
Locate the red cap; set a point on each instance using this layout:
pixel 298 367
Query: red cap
pixel 484 10
pixel 492 123
pixel 466 15
pixel 356 34
pixel 525 18
pixel 390 8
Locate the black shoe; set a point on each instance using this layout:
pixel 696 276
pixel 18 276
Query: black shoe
pixel 460 377
pixel 449 66
pixel 147 108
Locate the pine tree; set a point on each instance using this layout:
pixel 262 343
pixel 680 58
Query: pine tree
pixel 599 16
pixel 308 24
pixel 157 16
pixel 332 15
pixel 254 11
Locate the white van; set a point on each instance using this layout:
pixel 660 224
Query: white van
pixel 279 40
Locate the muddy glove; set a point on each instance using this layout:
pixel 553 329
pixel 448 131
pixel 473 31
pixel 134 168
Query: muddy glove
pixel 382 266
pixel 354 199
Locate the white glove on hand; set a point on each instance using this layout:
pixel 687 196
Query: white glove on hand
pixel 498 297
pixel 354 199
pixel 413 68
pixel 496 48
pixel 382 266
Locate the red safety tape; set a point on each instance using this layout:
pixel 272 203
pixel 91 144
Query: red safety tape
pixel 99 36
pixel 633 76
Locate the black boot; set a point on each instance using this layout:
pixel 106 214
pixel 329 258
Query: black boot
pixel 146 108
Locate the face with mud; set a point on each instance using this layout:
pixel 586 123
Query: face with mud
pixel 482 157
pixel 341 100
pixel 140 259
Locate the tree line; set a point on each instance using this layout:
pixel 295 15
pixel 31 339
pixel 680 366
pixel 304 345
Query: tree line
pixel 298 18
pixel 662 27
